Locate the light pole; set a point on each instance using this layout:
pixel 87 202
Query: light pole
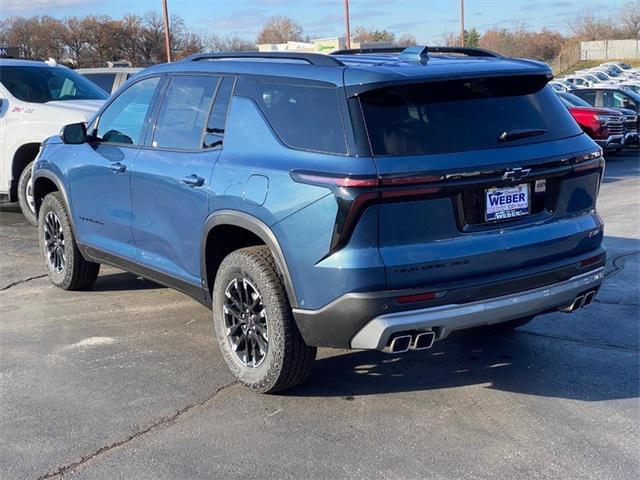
pixel 462 23
pixel 167 42
pixel 346 21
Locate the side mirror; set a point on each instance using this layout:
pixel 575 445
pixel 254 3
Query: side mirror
pixel 74 134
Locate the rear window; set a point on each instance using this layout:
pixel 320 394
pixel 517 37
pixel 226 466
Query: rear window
pixel 304 114
pixel 104 80
pixel 455 116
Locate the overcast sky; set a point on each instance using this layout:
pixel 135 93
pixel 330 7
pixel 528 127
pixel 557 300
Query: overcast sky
pixel 426 19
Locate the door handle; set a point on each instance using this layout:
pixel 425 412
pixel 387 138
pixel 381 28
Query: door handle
pixel 193 180
pixel 117 167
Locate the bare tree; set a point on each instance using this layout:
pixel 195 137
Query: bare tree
pixel 231 43
pixel 362 34
pixel 406 40
pixel 629 19
pixel 280 29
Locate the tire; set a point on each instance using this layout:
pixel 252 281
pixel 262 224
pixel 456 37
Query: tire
pixel 248 276
pixel 25 196
pixel 65 265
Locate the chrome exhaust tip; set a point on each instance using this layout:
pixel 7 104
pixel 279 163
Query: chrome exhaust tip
pixel 573 306
pixel 399 344
pixel 588 298
pixel 424 340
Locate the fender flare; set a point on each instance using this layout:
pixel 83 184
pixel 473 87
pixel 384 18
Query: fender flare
pixel 258 228
pixel 49 175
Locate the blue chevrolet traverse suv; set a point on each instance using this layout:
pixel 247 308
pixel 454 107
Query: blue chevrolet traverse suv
pixel 366 200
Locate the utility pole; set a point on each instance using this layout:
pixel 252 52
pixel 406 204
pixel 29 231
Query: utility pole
pixel 462 23
pixel 167 42
pixel 346 21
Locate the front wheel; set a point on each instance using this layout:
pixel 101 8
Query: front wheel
pixel 25 195
pixel 254 325
pixel 66 266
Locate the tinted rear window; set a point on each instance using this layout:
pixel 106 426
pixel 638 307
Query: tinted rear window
pixel 445 117
pixel 304 114
pixel 103 80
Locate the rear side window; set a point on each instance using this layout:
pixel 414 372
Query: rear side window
pixel 463 115
pixel 218 118
pixel 184 111
pixel 104 80
pixel 304 114
pixel 589 97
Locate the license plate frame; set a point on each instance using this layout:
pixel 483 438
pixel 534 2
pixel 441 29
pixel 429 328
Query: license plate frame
pixel 513 206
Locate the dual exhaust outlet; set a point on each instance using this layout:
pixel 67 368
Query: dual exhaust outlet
pixel 406 341
pixel 581 301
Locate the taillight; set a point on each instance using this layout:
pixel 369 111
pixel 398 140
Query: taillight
pixel 335 180
pixel 356 192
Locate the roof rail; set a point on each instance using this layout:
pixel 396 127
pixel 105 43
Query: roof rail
pixel 419 52
pixel 318 59
pixel 469 51
pixel 354 51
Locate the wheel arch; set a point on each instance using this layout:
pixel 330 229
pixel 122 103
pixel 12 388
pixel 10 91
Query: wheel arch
pixel 45 182
pixel 256 230
pixel 22 157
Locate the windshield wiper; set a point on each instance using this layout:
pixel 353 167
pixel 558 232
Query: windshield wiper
pixel 521 133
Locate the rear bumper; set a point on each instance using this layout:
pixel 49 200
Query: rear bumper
pixel 446 318
pixel 336 324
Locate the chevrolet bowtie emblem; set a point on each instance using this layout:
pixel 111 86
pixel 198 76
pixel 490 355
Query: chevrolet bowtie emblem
pixel 516 174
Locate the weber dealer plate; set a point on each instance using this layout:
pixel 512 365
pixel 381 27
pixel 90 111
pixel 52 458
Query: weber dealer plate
pixel 508 202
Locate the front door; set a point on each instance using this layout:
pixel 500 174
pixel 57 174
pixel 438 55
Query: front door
pixel 99 181
pixel 171 178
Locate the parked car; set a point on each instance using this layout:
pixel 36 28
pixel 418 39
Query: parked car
pixel 619 72
pixel 580 81
pixel 611 77
pixel 603 77
pixel 631 85
pixel 332 200
pixel 109 79
pixel 619 98
pixel 621 65
pixel 36 100
pixel 561 86
pixel 605 126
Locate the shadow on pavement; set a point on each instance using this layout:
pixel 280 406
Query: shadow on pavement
pixel 514 362
pixel 123 281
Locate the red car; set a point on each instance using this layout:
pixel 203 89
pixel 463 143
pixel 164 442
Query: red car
pixel 605 126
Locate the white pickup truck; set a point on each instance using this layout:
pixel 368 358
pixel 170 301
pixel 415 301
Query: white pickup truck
pixel 37 99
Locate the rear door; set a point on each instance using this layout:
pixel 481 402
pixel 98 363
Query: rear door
pixel 472 178
pixel 171 179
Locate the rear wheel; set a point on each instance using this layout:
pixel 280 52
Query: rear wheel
pixel 25 195
pixel 66 266
pixel 254 325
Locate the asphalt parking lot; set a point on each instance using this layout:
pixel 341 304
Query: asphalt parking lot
pixel 124 382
